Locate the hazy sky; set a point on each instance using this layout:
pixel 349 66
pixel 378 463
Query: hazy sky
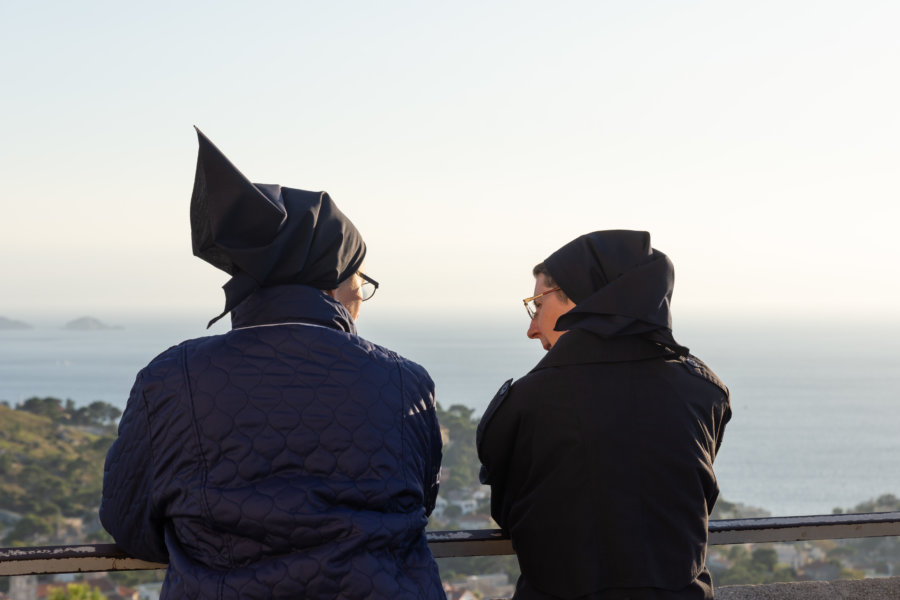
pixel 758 142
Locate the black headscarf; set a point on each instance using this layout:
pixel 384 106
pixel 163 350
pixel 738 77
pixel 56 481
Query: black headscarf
pixel 620 286
pixel 264 235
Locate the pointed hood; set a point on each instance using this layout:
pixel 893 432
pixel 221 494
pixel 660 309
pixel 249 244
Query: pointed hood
pixel 264 235
pixel 620 286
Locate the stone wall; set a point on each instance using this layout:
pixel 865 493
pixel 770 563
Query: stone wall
pixel 887 588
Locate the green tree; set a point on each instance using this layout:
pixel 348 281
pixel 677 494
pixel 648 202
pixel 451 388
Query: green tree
pixel 759 566
pixel 451 568
pixel 740 573
pixel 766 558
pixel 460 456
pixel 850 573
pixel 101 413
pixel 888 502
pixel 26 529
pixel 76 591
pixel 6 463
pixel 46 407
pixel 135 578
pixel 452 512
pixel 97 413
pixel 48 469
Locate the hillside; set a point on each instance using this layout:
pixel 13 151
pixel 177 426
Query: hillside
pixel 51 470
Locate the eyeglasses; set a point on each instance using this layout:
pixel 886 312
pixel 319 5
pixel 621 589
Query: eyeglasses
pixel 368 287
pixel 531 307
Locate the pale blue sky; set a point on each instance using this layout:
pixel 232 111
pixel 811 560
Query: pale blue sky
pixel 759 143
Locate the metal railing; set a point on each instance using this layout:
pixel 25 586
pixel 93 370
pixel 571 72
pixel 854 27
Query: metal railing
pixel 482 542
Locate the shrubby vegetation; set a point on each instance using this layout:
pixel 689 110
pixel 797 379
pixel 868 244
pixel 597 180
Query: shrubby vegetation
pixel 51 469
pixel 99 414
pixel 461 466
pixel 880 555
pixel 75 591
pixel 460 461
pixel 813 560
pixel 759 565
pixel 51 475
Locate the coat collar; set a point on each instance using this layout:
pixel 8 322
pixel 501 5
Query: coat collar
pixel 582 347
pixel 292 304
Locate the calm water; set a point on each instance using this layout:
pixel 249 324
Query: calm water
pixel 816 405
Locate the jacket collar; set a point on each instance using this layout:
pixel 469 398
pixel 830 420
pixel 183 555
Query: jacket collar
pixel 578 347
pixel 292 304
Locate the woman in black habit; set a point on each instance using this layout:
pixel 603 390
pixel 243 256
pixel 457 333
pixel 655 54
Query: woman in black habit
pixel 600 459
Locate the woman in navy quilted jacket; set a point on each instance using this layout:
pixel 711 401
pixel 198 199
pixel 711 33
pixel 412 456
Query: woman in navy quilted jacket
pixel 287 458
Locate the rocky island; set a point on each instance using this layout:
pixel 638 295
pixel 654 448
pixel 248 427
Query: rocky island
pixel 13 324
pixel 88 324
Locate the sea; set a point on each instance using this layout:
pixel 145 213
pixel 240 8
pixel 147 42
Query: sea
pixel 816 401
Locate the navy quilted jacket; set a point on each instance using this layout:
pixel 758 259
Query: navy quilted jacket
pixel 287 458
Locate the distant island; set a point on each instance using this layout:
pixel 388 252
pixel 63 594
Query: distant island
pixel 12 324
pixel 89 324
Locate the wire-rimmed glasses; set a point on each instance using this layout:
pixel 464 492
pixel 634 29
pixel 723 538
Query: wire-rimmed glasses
pixel 530 306
pixel 369 286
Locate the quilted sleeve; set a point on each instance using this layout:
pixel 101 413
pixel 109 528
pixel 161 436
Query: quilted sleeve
pixel 126 510
pixel 435 455
pixel 422 429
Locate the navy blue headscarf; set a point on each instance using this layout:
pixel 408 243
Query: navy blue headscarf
pixel 264 235
pixel 620 286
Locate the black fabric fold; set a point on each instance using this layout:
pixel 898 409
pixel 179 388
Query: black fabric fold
pixel 265 234
pixel 620 285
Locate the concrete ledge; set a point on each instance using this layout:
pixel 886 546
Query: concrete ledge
pixel 887 588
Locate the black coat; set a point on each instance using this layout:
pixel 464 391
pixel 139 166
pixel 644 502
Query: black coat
pixel 600 465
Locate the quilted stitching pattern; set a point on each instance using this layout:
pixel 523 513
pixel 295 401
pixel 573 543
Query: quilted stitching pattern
pixel 279 462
